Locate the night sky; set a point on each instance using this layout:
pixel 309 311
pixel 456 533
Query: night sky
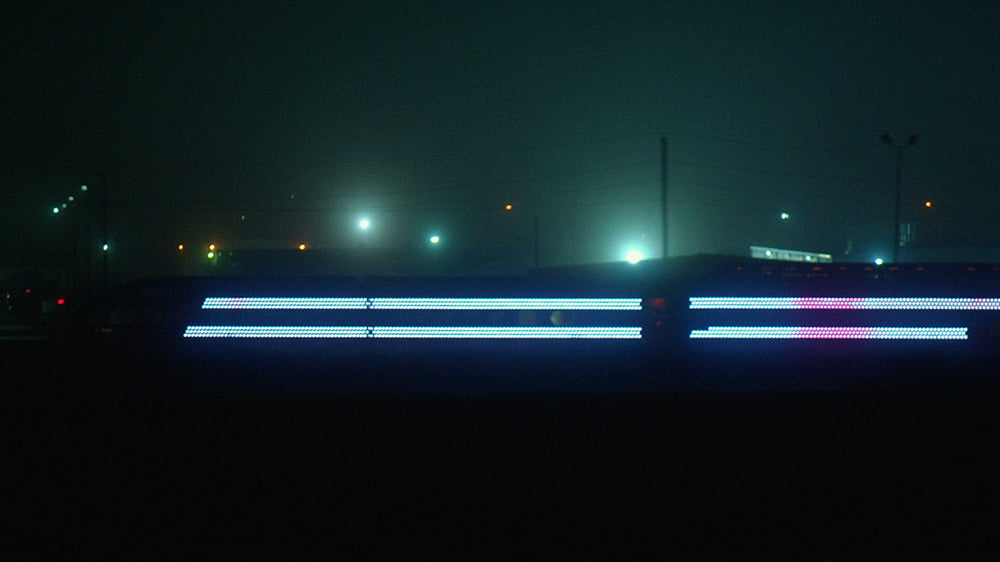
pixel 255 123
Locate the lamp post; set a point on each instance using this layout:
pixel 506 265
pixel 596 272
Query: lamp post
pixel 535 248
pixel 898 147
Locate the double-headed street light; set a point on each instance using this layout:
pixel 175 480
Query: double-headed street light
pixel 889 140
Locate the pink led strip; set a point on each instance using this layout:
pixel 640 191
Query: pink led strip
pixel 844 303
pixel 832 332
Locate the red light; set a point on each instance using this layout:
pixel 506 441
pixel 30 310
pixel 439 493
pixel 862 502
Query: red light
pixel 27 291
pixel 60 301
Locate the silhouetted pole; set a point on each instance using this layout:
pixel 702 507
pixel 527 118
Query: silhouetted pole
pixel 896 238
pixel 104 228
pixel 663 195
pixel 536 243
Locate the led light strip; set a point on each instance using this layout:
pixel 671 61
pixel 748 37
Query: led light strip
pixel 512 332
pixel 844 303
pixel 831 332
pixel 361 303
pixel 443 332
pixel 284 303
pixel 505 304
pixel 276 332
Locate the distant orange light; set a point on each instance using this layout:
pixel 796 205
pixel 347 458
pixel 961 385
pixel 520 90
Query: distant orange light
pixel 211 247
pixel 302 247
pixel 180 247
pixel 509 207
pixel 928 204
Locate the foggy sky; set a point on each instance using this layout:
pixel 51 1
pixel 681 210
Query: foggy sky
pixel 267 121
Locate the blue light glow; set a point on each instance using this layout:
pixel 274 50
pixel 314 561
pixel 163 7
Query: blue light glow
pixel 831 332
pixel 844 303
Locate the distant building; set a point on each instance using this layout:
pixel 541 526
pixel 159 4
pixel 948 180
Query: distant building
pixel 766 253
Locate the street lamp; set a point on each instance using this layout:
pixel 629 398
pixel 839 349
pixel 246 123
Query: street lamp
pixel 535 244
pixel 889 140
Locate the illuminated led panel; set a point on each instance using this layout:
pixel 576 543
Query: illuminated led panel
pixel 504 304
pixel 276 332
pixel 845 303
pixel 509 332
pixel 446 332
pixel 360 303
pixel 283 303
pixel 831 332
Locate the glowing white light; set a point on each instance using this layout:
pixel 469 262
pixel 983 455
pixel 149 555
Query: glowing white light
pixel 280 303
pixel 421 332
pixel 879 261
pixel 633 256
pixel 276 332
pixel 844 303
pixel 504 304
pixel 831 332
pixel 363 224
pixel 435 239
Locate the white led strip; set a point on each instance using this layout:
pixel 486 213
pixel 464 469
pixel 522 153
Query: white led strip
pixel 361 303
pixel 276 332
pixel 504 304
pixel 442 332
pixel 831 332
pixel 844 303
pixel 284 303
pixel 510 332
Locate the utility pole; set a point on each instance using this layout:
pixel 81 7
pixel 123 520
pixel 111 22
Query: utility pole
pixel 663 196
pixel 537 262
pixel 896 236
pixel 104 228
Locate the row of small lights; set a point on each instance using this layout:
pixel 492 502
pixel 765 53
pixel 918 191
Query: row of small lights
pixel 65 205
pixel 632 256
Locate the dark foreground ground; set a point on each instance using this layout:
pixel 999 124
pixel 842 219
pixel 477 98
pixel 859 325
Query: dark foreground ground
pixel 131 453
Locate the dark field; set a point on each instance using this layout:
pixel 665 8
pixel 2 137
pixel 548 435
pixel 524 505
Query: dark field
pixel 216 451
